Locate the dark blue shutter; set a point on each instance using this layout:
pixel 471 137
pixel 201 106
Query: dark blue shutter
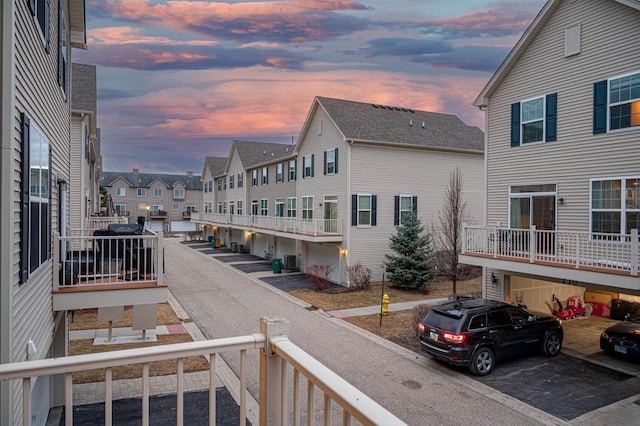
pixel 32 6
pixel 60 61
pixel 600 107
pixel 515 124
pixel 374 210
pixel 312 165
pixel 551 119
pixel 47 18
pixel 267 177
pixel 414 206
pixel 325 162
pixel 24 201
pixel 354 210
pixel 396 210
pixel 295 170
pixel 335 166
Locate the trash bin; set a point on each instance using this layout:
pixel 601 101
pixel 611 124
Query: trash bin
pixel 276 265
pixel 213 242
pixel 234 247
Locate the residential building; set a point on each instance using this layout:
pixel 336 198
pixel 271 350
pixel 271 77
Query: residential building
pixel 36 38
pixel 164 201
pixel 213 167
pixel 562 132
pixel 337 196
pixel 85 158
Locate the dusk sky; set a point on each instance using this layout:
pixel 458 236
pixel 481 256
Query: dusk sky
pixel 180 80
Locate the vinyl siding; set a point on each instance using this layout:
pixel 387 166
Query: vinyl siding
pixel 78 165
pixel 609 48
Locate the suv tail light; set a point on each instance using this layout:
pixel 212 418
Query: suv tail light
pixel 454 338
pixel 421 327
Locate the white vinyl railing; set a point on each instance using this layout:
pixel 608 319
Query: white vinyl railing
pixel 278 403
pixel 294 225
pixel 102 222
pixel 616 252
pixel 89 257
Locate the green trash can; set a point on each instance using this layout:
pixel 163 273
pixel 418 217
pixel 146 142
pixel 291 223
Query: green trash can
pixel 276 265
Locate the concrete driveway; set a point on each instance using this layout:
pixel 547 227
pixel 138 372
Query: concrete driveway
pixel 224 302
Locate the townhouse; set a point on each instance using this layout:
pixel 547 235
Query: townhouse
pixel 562 138
pixel 164 202
pixel 337 196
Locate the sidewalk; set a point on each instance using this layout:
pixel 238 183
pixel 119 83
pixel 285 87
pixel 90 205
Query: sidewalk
pixel 373 310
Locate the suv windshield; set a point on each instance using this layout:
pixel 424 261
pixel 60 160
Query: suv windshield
pixel 441 321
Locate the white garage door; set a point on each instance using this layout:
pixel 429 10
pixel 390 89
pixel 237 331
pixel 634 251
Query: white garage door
pixel 325 254
pixel 183 226
pixel 157 225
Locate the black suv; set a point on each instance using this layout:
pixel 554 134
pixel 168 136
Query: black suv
pixel 477 332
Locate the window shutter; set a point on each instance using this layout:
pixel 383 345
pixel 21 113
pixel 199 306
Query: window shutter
pixel 396 210
pixel 47 18
pixel 374 210
pixel 325 162
pixel 335 166
pixel 24 200
pixel 515 124
pixel 267 177
pixel 600 107
pixel 312 155
pixel 354 210
pixel 60 61
pixel 551 117
pixel 295 170
pixel 414 206
pixel 32 6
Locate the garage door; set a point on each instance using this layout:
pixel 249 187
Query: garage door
pixel 157 225
pixel 183 226
pixel 534 292
pixel 325 254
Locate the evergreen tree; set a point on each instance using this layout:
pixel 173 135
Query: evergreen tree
pixel 412 265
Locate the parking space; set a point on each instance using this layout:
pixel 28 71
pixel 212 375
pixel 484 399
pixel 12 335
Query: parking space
pixel 251 267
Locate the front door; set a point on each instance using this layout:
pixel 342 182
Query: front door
pixel 331 215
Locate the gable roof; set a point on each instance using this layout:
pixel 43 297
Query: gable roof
pixel 253 154
pixel 525 41
pixel 145 180
pixel 83 88
pixel 374 123
pixel 215 165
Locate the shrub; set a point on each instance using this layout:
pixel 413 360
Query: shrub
pixel 319 275
pixel 419 312
pixel 359 276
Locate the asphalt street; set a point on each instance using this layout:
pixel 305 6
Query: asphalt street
pixel 224 302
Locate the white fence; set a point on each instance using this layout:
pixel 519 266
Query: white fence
pixel 293 225
pixel 615 252
pixel 281 399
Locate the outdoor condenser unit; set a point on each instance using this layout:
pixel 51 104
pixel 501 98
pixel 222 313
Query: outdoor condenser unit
pixel 289 261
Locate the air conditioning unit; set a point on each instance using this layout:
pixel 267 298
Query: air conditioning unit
pixel 289 261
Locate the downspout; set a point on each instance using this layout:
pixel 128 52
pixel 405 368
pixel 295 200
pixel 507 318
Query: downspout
pixel 483 108
pixel 7 198
pixel 347 225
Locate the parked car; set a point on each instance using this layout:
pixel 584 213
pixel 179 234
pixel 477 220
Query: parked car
pixel 623 338
pixel 477 332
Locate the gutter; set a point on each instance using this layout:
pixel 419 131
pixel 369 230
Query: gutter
pixel 418 147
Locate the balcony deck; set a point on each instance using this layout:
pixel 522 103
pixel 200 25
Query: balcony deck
pixel 313 230
pixel 601 259
pixel 103 270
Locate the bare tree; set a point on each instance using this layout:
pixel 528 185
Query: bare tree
pixel 448 234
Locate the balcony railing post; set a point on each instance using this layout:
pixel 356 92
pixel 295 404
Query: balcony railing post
pixel 57 267
pixel 634 252
pixel 577 250
pixel 532 244
pixel 464 238
pixel 271 373
pixel 160 258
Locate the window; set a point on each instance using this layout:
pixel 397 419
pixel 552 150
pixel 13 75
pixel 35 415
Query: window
pixel 120 208
pixel 205 187
pixel 219 207
pixel 231 182
pixel 62 50
pixel 292 170
pixel 239 206
pixel 41 10
pixel 254 177
pixel 478 322
pixel 219 181
pixel 280 173
pixel 176 206
pixel 624 102
pixel 331 162
pixel 307 208
pixel 209 207
pixel 191 207
pixel 265 175
pixel 264 207
pixel 178 193
pixel 224 183
pixel 534 120
pixel 224 207
pixel 364 210
pixel 254 207
pixel 142 192
pixel 158 192
pixel 121 192
pixel 307 166
pixel 291 207
pixel 404 207
pixel 240 178
pixel 211 186
pixel 35 229
pixel 232 207
pixel 279 207
pixel 615 205
pixel 158 208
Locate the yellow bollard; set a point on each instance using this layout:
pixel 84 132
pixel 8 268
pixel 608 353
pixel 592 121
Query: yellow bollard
pixel 385 305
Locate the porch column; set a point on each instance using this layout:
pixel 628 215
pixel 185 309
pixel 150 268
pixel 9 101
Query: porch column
pixel 532 244
pixel 271 367
pixel 634 252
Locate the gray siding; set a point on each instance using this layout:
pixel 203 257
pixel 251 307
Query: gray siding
pixel 609 48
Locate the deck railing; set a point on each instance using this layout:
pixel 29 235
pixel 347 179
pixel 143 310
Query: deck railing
pixel 280 396
pixel 615 252
pixel 294 225
pixel 102 222
pixel 86 258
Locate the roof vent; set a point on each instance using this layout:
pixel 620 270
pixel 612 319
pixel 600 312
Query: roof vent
pixel 423 124
pixel 410 122
pixel 264 152
pixel 272 154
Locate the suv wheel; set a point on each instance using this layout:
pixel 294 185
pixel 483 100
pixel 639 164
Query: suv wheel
pixel 552 344
pixel 482 362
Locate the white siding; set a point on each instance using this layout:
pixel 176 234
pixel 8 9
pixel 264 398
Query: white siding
pixel 78 170
pixel 319 254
